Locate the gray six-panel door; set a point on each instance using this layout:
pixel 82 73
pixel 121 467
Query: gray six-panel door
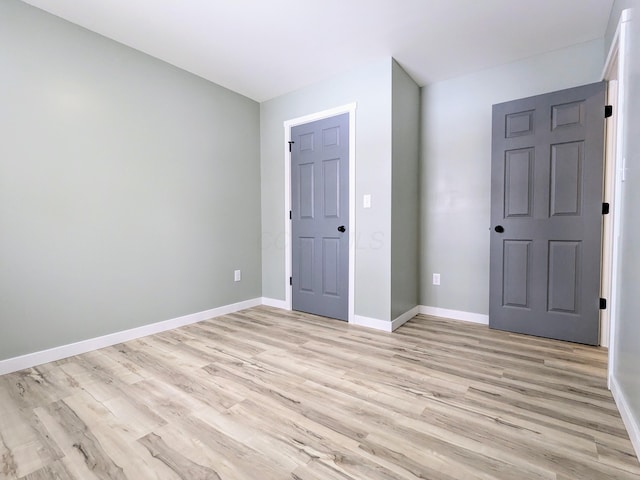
pixel 546 214
pixel 320 217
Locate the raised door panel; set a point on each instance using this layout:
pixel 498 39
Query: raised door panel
pixel 566 178
pixel 330 188
pixel 331 266
pixel 564 276
pixel 516 273
pixel 306 195
pixel 518 183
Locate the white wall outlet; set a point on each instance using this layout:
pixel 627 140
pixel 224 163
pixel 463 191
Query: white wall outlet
pixel 436 279
pixel 237 275
pixel 366 201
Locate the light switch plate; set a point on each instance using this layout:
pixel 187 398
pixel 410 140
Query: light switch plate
pixel 366 201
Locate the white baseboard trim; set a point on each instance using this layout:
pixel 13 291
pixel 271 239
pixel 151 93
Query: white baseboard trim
pixel 455 314
pixel 629 420
pixel 375 323
pixel 272 302
pixel 633 429
pixel 57 353
pixel 384 325
pixel 405 317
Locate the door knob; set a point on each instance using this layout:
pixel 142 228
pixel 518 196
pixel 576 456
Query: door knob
pixel 499 229
pixel 341 228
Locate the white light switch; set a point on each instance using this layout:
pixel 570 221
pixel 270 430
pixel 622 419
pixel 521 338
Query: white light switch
pixel 237 275
pixel 436 279
pixel 366 201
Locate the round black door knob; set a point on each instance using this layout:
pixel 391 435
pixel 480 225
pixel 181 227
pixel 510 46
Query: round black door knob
pixel 341 228
pixel 499 229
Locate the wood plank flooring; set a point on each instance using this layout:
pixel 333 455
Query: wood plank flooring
pixel 268 394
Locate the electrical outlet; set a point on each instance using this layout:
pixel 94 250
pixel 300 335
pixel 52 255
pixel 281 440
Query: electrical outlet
pixel 436 279
pixel 237 275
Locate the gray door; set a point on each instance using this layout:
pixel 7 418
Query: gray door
pixel 546 214
pixel 320 217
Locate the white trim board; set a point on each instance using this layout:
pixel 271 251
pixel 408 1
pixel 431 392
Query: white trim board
pixel 57 353
pixel 405 317
pixel 616 68
pixel 332 112
pixel 455 314
pixel 374 323
pixel 633 429
pixel 385 325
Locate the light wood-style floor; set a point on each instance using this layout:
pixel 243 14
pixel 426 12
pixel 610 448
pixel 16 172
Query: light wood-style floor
pixel 268 394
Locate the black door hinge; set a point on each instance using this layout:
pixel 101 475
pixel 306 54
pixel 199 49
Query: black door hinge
pixel 605 208
pixel 291 143
pixel 603 304
pixel 290 280
pixel 289 214
pixel 608 111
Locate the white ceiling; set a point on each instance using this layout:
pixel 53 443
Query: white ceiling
pixel 265 48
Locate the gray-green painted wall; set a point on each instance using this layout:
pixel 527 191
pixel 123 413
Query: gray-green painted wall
pixel 627 334
pixel 129 189
pixel 405 229
pixel 370 88
pixel 456 167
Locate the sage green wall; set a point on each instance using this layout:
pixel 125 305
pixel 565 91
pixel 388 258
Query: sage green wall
pixel 370 87
pixel 627 334
pixel 405 230
pixel 129 189
pixel 456 167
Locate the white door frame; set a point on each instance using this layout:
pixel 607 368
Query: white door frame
pixel 288 125
pixel 615 69
pixel 609 189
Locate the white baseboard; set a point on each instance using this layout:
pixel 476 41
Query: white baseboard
pixel 384 325
pixel 375 323
pixel 629 420
pixel 455 314
pixel 38 358
pixel 405 317
pixel 272 302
